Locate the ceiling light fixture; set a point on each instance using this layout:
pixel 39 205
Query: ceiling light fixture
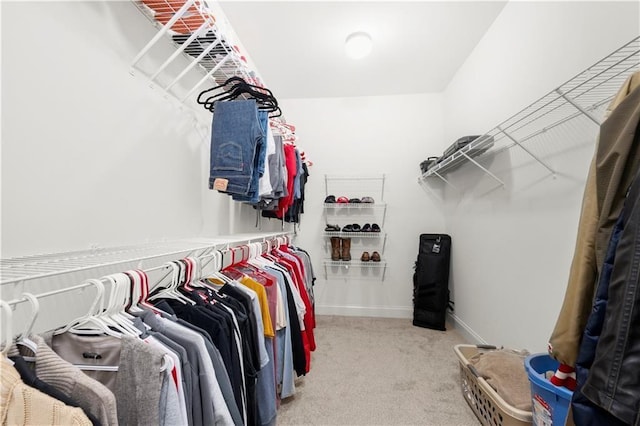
pixel 358 45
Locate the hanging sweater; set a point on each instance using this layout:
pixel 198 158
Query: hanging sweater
pixel 23 405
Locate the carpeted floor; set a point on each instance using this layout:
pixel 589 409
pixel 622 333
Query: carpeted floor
pixel 379 371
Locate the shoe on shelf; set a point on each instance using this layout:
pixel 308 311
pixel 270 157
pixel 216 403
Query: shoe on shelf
pixel 367 200
pixel 336 249
pixel 342 200
pixel 354 200
pixel 366 228
pixel 345 254
pixel 355 227
pixel 375 228
pixel 332 228
pixel 365 256
pixel 347 228
pixel 375 256
pixel 330 199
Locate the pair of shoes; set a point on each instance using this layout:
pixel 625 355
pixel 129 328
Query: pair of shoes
pixel 375 256
pixel 343 200
pixel 354 227
pixel 340 249
pixel 330 199
pixel 367 200
pixel 332 228
pixel 354 200
pixel 370 228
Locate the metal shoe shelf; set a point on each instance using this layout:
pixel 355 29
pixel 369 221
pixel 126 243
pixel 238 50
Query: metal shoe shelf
pixel 361 239
pixel 361 213
pixel 368 270
pixel 587 95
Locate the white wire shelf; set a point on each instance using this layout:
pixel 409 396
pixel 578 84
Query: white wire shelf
pixel 368 270
pixel 338 206
pixel 24 268
pixel 368 235
pixel 193 27
pixel 587 95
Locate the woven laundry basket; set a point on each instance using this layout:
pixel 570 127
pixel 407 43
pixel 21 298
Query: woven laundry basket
pixel 488 406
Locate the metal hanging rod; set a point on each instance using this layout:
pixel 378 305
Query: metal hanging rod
pixel 14 270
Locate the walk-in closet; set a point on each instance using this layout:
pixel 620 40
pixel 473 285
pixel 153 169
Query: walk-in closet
pixel 228 212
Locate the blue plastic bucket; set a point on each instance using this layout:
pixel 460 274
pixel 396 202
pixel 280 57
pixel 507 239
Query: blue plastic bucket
pixel 550 403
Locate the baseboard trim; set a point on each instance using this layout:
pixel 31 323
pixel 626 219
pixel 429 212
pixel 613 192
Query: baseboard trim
pixel 467 332
pixel 360 311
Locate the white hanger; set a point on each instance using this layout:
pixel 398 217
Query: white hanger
pixel 23 339
pixel 171 290
pixel 8 332
pixel 91 323
pixel 114 314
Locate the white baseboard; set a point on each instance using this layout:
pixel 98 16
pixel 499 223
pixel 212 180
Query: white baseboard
pixel 360 311
pixel 467 332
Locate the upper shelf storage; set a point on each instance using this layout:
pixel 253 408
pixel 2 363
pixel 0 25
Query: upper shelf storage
pixel 587 94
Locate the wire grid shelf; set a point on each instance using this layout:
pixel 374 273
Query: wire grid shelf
pixel 191 26
pixel 32 267
pixel 586 95
pixel 42 265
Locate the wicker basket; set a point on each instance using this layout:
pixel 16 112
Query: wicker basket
pixel 488 406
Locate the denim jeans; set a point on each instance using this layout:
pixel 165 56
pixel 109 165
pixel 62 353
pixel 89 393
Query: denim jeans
pixel 253 195
pixel 235 135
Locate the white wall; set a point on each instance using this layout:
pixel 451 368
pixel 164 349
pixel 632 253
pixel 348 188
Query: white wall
pixel 91 154
pixel 512 247
pixel 369 136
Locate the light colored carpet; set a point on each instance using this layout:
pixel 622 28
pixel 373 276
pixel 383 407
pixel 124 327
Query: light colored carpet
pixel 379 371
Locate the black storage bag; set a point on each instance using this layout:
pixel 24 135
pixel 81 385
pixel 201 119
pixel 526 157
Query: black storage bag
pixel 431 281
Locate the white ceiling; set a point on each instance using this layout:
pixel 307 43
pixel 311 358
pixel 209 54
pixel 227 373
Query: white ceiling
pixel 298 46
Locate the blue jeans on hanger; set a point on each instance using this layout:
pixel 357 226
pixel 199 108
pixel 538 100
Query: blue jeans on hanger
pixel 253 196
pixel 235 134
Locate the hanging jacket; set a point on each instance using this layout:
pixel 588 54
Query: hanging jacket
pixel 584 411
pixel 610 175
pixel 613 383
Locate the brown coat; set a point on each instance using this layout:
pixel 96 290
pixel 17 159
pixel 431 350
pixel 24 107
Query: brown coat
pixel 613 168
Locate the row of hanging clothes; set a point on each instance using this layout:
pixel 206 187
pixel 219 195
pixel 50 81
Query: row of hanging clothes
pixel 207 345
pixel 253 157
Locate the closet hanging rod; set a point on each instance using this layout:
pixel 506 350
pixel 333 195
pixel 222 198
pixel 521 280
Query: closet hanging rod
pixel 90 266
pixel 200 258
pixel 16 270
pixel 51 293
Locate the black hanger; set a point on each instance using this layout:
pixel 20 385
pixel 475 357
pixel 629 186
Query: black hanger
pixel 234 87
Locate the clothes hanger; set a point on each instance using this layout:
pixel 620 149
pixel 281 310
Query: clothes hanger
pixel 8 331
pixel 91 323
pixel 115 314
pixel 171 290
pixel 23 339
pixel 142 301
pixel 263 96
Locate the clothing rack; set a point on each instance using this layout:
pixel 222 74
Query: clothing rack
pixel 60 279
pixel 585 95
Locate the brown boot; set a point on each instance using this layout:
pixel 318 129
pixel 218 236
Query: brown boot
pixel 346 249
pixel 335 248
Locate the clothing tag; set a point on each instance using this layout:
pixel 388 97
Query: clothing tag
pixel 435 248
pixel 220 184
pixel 91 355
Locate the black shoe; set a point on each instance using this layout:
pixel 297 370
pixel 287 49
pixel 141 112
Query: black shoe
pixel 375 228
